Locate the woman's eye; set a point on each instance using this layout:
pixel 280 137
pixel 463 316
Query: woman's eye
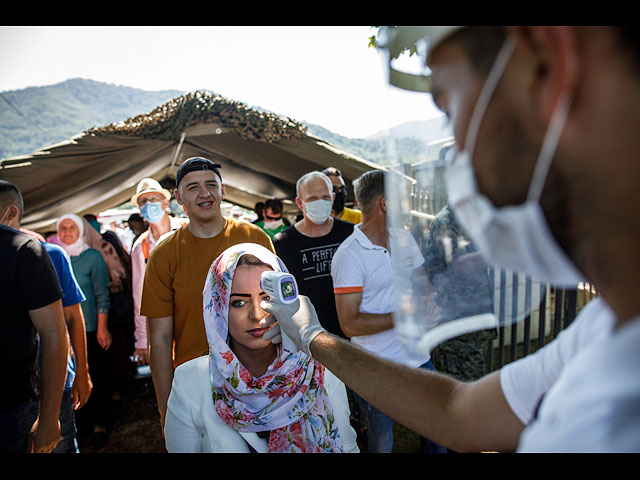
pixel 267 298
pixel 237 303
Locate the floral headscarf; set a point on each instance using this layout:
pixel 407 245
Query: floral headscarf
pixel 289 400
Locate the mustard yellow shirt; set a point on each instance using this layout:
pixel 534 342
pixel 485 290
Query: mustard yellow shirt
pixel 351 215
pixel 175 276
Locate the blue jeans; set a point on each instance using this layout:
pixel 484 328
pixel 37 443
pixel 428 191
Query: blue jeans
pixel 380 427
pixel 15 426
pixel 68 443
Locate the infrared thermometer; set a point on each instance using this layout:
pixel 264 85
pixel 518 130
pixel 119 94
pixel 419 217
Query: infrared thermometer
pixel 281 288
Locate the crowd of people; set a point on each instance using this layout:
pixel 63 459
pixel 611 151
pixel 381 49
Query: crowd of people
pixel 126 303
pixel 234 371
pixel 141 304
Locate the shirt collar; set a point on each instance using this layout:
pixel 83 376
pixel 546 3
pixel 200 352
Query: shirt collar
pixel 364 241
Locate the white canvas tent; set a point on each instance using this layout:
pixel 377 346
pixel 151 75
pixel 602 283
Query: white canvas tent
pixel 262 156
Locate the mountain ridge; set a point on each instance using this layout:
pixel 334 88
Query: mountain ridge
pixel 38 116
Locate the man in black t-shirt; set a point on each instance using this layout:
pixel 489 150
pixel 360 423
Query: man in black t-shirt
pixel 31 308
pixel 307 247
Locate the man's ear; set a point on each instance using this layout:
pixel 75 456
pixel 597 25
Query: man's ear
pixel 11 216
pixel 553 51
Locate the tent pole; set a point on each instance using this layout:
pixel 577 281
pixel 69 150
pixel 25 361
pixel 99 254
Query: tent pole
pixel 178 148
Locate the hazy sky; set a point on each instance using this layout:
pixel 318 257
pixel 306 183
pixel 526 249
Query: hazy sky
pixel 322 75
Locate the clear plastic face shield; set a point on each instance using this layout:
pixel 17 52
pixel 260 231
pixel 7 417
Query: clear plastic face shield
pixel 444 286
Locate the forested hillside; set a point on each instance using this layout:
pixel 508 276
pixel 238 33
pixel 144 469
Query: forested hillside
pixel 36 117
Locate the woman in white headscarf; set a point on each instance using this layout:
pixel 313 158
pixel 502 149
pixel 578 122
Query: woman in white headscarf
pixel 249 394
pixel 92 275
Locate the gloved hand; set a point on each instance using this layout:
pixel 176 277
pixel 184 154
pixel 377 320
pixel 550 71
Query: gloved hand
pixel 273 333
pixel 298 320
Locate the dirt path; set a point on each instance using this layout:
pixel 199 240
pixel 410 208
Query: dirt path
pixel 136 426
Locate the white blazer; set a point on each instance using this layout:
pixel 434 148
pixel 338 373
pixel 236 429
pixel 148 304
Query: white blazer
pixel 192 424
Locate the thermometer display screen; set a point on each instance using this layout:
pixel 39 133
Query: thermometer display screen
pixel 288 289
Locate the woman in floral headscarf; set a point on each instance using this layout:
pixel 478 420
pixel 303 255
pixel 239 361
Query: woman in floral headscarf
pixel 250 394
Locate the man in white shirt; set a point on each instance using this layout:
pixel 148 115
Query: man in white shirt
pixel 361 270
pixel 153 201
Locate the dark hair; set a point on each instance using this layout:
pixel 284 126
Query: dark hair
pixel 274 204
pixel 248 260
pixel 368 187
pixel 630 39
pixel 135 217
pixel 481 45
pixel 10 195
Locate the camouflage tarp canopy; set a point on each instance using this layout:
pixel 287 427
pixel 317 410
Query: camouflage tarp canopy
pixel 262 156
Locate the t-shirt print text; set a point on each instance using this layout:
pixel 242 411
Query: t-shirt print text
pixel 316 261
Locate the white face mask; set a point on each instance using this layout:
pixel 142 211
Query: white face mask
pixel 512 237
pixel 318 211
pixel 272 224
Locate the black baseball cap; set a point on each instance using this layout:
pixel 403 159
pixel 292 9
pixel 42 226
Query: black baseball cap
pixel 195 164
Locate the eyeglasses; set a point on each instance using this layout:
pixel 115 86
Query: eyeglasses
pixel 149 198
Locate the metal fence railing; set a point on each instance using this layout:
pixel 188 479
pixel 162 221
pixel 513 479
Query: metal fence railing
pixel 546 311
pixel 550 310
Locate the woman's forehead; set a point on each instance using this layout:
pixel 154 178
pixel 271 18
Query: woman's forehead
pixel 67 222
pixel 248 275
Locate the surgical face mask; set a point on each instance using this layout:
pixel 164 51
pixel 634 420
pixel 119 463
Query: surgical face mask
pixel 152 211
pixel 318 211
pixel 512 237
pixel 273 224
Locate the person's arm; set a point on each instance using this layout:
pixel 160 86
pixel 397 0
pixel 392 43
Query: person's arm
pixel 464 417
pixel 353 322
pixel 100 281
pixel 82 384
pixel 50 325
pixel 141 352
pixel 103 334
pixel 161 360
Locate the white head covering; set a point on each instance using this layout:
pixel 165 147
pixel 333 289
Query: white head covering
pixel 79 246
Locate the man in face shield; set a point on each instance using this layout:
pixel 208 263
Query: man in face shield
pixel 546 163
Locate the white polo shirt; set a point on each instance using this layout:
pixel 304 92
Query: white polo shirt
pixel 360 266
